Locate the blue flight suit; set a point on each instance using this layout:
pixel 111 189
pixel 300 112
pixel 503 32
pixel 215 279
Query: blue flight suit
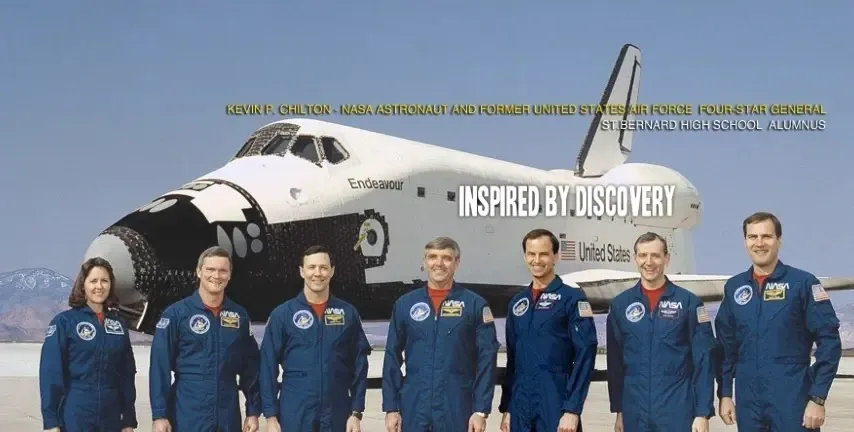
pixel 451 357
pixel 87 372
pixel 766 335
pixel 206 353
pixel 324 362
pixel 661 372
pixel 551 351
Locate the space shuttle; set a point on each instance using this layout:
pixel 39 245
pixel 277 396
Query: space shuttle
pixel 375 200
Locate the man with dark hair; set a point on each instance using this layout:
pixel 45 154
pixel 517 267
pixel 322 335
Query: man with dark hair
pixel 318 341
pixel 660 350
pixel 551 346
pixel 448 335
pixel 769 319
pixel 206 341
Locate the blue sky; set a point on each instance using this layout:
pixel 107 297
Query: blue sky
pixel 109 104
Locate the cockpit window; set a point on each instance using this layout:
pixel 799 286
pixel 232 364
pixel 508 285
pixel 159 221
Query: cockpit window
pixel 333 150
pixel 305 148
pixel 270 139
pixel 245 147
pixel 279 144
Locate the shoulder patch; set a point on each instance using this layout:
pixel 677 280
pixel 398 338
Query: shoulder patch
pixel 702 315
pixel 163 323
pixel 487 315
pixel 584 309
pixel 51 329
pixel 818 293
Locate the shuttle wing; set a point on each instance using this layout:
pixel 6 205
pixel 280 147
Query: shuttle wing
pixel 601 286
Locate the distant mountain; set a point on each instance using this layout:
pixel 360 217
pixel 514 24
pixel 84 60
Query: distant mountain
pixel 29 299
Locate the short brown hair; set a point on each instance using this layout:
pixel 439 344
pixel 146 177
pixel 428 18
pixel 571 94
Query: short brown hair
pixel 214 251
pixel 442 243
pixel 760 217
pixel 77 298
pixel 650 237
pixel 537 233
pixel 316 249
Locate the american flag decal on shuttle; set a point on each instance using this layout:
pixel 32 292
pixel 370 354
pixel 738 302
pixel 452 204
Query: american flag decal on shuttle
pixel 567 250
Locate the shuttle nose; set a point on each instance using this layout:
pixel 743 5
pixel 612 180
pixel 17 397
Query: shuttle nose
pixel 113 246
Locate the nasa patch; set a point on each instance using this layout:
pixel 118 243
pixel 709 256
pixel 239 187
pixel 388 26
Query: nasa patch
pixel 742 295
pixel 229 319
pixel 334 317
pixel 635 312
pixel 112 326
pixel 521 306
pixel 86 331
pixel 200 324
pixel 303 319
pixel 419 311
pixel 163 323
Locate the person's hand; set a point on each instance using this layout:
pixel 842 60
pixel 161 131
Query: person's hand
pixel 273 424
pixel 568 423
pixel 127 429
pixel 161 425
pixel 392 422
pixel 813 416
pixel 618 424
pixel 727 411
pixel 701 424
pixel 505 422
pixel 354 424
pixel 476 423
pixel 251 424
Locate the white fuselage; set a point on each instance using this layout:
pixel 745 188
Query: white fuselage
pixel 289 188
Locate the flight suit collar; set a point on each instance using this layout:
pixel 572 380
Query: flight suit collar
pixel 778 273
pixel 196 301
pixel 668 288
pixel 453 293
pixel 88 311
pixel 301 298
pixel 553 286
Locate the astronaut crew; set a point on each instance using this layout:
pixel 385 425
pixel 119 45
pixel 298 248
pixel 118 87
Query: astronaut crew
pixel 663 357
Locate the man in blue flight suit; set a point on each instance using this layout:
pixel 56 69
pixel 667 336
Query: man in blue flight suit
pixel 206 341
pixel 768 320
pixel 448 334
pixel 661 374
pixel 551 346
pixel 319 342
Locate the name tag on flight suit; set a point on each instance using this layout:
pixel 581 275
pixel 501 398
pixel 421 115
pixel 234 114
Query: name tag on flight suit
pixel 669 309
pixel 547 301
pixel 452 308
pixel 334 317
pixel 775 291
pixel 229 319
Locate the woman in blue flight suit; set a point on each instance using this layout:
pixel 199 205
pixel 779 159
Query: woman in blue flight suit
pixel 87 368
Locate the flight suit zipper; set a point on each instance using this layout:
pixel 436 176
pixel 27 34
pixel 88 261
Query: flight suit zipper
pixel 101 338
pixel 322 365
pixel 651 332
pixel 216 366
pixel 433 364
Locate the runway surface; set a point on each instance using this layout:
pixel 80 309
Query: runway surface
pixel 20 407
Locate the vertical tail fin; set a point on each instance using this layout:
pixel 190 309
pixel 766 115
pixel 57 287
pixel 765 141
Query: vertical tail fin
pixel 606 149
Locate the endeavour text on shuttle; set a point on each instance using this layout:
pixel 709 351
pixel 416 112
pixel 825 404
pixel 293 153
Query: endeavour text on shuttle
pixel 369 183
